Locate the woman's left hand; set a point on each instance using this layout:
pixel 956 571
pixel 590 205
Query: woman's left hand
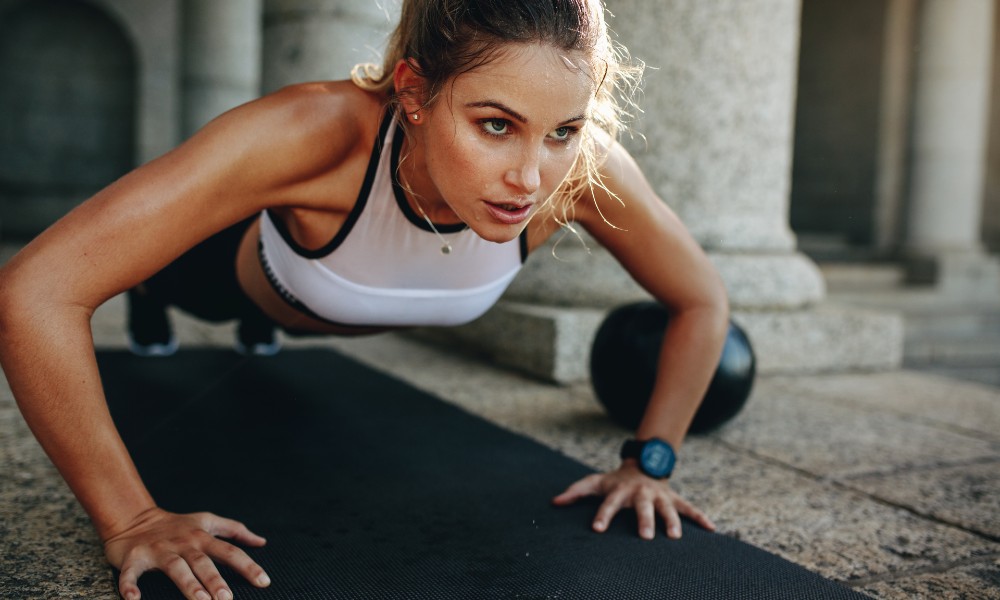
pixel 628 487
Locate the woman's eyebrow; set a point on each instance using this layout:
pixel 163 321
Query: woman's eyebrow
pixel 499 106
pixel 513 113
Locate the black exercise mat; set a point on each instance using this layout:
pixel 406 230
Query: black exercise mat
pixel 367 488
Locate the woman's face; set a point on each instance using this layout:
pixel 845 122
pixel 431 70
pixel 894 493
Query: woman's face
pixel 501 138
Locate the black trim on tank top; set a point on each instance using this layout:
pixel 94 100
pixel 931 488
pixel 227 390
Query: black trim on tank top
pixel 400 194
pixel 359 204
pixel 523 241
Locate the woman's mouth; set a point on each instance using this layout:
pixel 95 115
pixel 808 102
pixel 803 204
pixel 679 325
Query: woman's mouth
pixel 510 214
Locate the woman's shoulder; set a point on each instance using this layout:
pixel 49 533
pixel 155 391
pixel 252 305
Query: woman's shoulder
pixel 298 134
pixel 332 118
pixel 294 135
pixel 325 100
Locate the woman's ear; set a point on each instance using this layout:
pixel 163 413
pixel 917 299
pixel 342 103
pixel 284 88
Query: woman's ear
pixel 410 89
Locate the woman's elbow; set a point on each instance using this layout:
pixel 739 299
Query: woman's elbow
pixel 25 302
pixel 713 305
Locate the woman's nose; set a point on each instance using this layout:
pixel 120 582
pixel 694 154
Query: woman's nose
pixel 526 175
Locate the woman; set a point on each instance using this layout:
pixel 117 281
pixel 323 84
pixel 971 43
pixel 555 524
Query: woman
pixel 408 196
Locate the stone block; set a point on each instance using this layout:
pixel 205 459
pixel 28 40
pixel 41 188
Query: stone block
pixel 547 342
pixel 553 343
pixel 823 339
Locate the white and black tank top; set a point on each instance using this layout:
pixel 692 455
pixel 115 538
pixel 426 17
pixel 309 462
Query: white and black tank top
pixel 385 267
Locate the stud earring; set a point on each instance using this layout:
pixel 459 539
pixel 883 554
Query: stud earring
pixel 416 117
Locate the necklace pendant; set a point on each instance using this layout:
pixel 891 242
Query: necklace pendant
pixel 446 249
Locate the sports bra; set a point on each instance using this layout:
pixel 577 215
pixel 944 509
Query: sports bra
pixel 385 267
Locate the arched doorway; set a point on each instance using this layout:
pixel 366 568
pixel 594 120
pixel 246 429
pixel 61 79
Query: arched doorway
pixel 67 110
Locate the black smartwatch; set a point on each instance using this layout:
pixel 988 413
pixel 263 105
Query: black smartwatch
pixel 656 458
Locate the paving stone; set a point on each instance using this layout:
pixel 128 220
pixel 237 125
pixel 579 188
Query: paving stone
pixel 968 495
pixel 835 532
pixel 915 396
pixel 41 523
pixel 833 439
pixel 979 581
pixel 986 374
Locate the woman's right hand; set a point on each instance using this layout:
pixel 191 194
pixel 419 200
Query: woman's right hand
pixel 184 548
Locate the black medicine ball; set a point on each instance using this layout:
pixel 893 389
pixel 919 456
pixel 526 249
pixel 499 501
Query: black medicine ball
pixel 624 358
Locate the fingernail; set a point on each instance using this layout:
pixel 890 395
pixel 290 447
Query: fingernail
pixel 225 595
pixel 263 581
pixel 675 532
pixel 599 525
pixel 647 533
pixel 202 595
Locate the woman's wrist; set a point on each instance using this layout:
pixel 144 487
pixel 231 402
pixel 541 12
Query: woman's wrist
pixel 110 531
pixel 654 457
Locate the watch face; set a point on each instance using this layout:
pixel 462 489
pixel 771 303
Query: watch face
pixel 657 458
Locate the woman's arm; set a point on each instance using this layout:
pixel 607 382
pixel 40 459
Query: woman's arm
pixel 651 243
pixel 252 157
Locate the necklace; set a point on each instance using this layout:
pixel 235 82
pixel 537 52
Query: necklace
pixel 445 246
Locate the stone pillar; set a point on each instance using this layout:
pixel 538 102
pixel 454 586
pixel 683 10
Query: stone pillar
pixel 222 47
pixel 894 119
pixel 948 148
pixel 717 116
pixel 718 110
pixel 155 31
pixel 311 40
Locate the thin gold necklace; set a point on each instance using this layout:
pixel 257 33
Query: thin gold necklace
pixel 445 247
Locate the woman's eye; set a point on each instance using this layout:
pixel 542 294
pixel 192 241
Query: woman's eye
pixel 495 126
pixel 562 134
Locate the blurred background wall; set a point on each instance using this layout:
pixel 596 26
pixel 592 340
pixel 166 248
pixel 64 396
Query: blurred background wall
pixel 789 134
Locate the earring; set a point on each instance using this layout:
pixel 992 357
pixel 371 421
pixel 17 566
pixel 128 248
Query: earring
pixel 416 117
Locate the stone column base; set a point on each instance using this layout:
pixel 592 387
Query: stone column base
pixel 553 343
pixel 970 274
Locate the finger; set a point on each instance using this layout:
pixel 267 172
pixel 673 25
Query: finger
pixel 178 570
pixel 206 572
pixel 239 561
pixel 128 582
pixel 669 513
pixel 607 511
pixel 588 486
pixel 234 530
pixel 647 518
pixel 688 510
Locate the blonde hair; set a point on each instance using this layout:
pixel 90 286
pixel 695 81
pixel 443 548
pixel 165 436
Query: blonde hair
pixel 445 38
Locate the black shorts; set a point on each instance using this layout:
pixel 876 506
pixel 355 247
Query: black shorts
pixel 202 281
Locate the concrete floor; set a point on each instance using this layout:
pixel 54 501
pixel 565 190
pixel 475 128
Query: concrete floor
pixel 887 482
